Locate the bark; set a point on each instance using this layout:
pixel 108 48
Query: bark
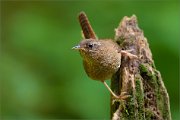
pixel 139 78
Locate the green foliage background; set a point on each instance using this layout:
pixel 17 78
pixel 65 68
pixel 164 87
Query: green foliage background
pixel 41 77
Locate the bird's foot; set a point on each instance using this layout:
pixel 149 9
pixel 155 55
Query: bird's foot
pixel 127 53
pixel 121 97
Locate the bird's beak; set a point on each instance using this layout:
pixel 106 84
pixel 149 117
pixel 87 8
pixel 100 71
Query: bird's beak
pixel 76 47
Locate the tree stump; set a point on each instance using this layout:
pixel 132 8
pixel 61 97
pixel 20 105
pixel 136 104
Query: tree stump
pixel 139 78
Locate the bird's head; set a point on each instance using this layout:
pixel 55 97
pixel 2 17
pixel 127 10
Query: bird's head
pixel 89 48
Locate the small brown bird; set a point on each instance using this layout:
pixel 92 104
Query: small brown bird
pixel 101 59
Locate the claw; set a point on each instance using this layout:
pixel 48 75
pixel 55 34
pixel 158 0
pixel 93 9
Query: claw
pixel 120 98
pixel 130 55
pixel 123 97
pixel 123 93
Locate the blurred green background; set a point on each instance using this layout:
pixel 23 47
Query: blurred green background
pixel 41 77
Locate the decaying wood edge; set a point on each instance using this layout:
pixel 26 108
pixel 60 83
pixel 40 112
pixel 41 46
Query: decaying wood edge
pixel 139 78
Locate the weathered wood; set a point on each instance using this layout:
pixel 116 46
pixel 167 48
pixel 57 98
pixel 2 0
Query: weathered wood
pixel 139 78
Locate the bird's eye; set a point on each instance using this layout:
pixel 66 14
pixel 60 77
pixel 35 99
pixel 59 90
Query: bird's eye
pixel 90 45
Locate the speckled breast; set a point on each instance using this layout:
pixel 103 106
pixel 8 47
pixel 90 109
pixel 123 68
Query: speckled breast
pixel 103 69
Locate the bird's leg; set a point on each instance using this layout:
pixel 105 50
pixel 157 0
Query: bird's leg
pixel 127 53
pixel 122 96
pixel 110 89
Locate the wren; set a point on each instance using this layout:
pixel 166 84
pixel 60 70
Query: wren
pixel 101 58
